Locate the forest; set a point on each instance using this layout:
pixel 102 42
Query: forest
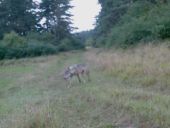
pixel 29 28
pixel 127 23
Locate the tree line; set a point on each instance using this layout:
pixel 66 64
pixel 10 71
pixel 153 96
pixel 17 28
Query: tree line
pixel 31 28
pixel 23 16
pixel 124 23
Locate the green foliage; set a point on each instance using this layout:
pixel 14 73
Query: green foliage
pixel 38 49
pixel 130 34
pixel 30 50
pixel 65 45
pixel 84 35
pixel 12 39
pixel 18 16
pixel 41 37
pixel 89 42
pixel 110 15
pixel 15 46
pixel 165 31
pixel 142 21
pixel 57 16
pixel 70 44
pixel 28 34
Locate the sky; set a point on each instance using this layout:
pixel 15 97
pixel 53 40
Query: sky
pixel 84 13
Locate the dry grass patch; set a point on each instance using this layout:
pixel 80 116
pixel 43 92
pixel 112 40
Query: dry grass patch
pixel 145 65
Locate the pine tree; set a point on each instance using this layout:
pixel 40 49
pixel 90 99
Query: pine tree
pixel 57 18
pixel 17 15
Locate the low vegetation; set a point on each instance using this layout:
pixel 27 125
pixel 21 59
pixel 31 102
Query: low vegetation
pixel 129 88
pixel 14 46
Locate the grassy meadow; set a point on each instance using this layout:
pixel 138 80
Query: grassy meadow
pixel 129 89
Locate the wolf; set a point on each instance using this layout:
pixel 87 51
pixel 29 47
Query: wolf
pixel 77 70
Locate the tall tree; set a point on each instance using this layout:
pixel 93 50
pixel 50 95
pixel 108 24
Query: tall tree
pixel 17 15
pixel 57 17
pixel 111 12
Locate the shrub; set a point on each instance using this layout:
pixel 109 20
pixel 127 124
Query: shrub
pixel 15 46
pixel 70 44
pixel 89 42
pixel 165 31
pixel 40 37
pixel 2 52
pixel 34 44
pixel 12 39
pixel 100 41
pixel 37 49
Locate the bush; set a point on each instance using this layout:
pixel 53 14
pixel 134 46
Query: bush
pixel 12 39
pixel 34 44
pixel 30 50
pixel 70 44
pixel 89 42
pixel 138 33
pixel 3 52
pixel 101 41
pixel 165 31
pixel 38 49
pixel 15 46
pixel 41 37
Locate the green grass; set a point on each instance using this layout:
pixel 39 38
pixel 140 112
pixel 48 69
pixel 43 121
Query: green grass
pixel 33 94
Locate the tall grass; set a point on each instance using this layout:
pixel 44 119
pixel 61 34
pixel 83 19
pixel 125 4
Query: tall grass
pixel 146 65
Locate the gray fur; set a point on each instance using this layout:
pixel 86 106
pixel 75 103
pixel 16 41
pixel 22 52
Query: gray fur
pixel 78 70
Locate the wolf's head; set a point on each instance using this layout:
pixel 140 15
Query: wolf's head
pixel 67 74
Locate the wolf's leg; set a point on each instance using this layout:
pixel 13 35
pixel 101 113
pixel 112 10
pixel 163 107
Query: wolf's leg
pixel 70 82
pixel 83 77
pixel 88 75
pixel 78 76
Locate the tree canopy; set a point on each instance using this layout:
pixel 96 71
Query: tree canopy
pixel 23 16
pixel 128 22
pixel 18 16
pixel 29 28
pixel 57 17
